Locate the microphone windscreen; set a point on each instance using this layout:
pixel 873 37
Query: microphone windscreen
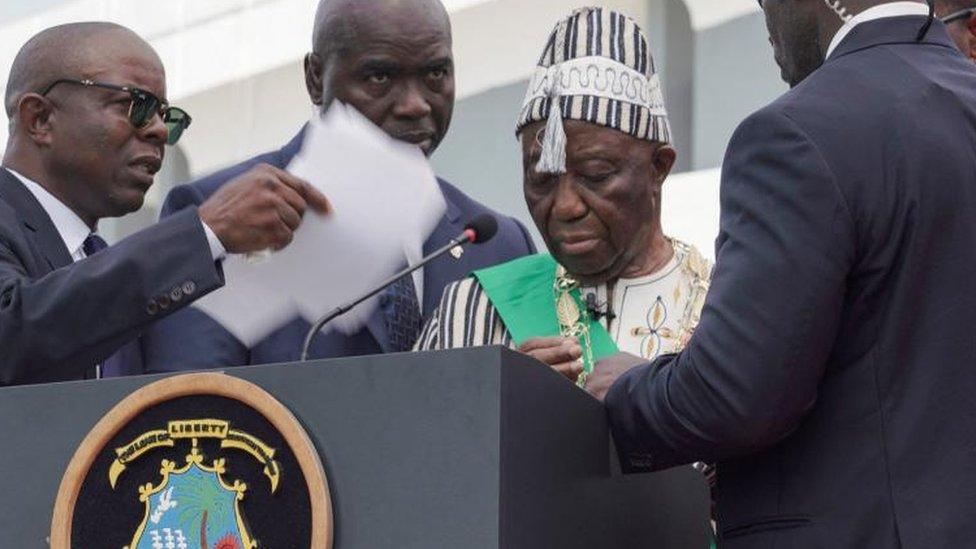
pixel 484 226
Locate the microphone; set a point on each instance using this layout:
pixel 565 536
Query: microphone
pixel 479 230
pixel 594 310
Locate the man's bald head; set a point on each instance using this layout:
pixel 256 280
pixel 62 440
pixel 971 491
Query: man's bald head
pixel 336 20
pixel 80 142
pixel 64 51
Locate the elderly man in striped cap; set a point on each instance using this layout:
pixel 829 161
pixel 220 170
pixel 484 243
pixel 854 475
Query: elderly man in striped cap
pixel 596 151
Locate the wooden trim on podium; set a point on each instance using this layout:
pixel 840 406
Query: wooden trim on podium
pixel 213 384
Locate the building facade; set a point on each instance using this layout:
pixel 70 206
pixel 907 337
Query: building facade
pixel 236 66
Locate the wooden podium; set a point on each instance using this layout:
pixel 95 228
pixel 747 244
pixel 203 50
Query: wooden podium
pixel 473 448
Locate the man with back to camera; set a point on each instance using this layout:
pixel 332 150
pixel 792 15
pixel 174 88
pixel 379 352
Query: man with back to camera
pixel 832 373
pixel 88 127
pixel 392 61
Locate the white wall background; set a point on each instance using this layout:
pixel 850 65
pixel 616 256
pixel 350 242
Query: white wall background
pixel 235 65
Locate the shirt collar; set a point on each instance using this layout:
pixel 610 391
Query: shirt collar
pixel 72 229
pixel 891 9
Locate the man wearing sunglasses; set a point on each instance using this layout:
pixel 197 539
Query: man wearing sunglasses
pixel 959 17
pixel 393 62
pixel 88 127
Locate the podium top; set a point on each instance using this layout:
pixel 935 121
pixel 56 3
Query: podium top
pixel 461 448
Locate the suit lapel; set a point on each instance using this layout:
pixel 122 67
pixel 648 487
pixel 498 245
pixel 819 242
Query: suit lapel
pixel 40 229
pixel 286 153
pixel 450 226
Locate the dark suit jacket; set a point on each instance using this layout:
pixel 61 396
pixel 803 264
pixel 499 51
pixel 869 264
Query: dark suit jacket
pixel 833 375
pixel 192 340
pixel 58 319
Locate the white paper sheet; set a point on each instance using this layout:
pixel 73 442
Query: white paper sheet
pixel 386 202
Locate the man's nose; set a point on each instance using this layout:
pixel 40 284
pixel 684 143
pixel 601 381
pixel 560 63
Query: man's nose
pixel 156 130
pixel 412 102
pixel 567 205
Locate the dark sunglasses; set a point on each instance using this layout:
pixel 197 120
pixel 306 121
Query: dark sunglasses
pixel 142 107
pixel 958 15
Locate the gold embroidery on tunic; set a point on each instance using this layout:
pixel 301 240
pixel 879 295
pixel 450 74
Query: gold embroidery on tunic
pixel 572 321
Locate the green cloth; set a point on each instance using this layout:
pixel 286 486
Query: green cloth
pixel 522 293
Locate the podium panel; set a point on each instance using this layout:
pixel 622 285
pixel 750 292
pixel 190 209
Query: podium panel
pixel 467 448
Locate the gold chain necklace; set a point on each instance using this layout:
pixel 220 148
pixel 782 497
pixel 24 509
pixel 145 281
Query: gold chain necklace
pixel 574 321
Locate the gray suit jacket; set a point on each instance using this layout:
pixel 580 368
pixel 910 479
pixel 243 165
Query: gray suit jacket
pixel 58 318
pixel 833 375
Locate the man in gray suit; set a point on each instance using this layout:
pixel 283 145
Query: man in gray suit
pixel 833 374
pixel 89 124
pixel 392 62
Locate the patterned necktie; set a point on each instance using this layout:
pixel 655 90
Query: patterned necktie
pixel 111 366
pixel 403 320
pixel 93 244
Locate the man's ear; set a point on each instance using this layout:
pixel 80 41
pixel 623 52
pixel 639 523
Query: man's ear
pixel 971 38
pixel 664 158
pixel 314 76
pixel 33 117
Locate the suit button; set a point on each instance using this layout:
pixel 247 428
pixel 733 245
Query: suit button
pixel 152 308
pixel 176 294
pixel 189 287
pixel 164 302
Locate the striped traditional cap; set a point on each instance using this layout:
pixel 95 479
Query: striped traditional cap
pixel 596 68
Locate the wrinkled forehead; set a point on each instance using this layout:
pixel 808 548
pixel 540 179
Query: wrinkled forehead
pixel 118 57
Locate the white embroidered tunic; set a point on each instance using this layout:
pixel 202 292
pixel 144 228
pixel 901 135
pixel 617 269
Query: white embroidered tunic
pixel 653 313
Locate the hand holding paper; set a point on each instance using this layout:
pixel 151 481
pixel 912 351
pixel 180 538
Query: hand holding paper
pixel 385 201
pixel 260 209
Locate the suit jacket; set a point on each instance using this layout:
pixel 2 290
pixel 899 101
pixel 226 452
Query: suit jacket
pixel 192 340
pixel 59 318
pixel 833 374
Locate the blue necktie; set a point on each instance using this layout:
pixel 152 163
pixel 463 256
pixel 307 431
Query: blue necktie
pixel 93 244
pixel 112 366
pixel 403 319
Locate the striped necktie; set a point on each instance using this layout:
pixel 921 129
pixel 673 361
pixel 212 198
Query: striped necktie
pixel 403 319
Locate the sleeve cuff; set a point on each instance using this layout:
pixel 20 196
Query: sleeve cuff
pixel 217 249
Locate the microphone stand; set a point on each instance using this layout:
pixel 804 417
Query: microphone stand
pixel 464 238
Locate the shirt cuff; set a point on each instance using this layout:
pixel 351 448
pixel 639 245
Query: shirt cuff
pixel 217 249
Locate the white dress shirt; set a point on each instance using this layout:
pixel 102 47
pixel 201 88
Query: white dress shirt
pixel 74 231
pixel 891 9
